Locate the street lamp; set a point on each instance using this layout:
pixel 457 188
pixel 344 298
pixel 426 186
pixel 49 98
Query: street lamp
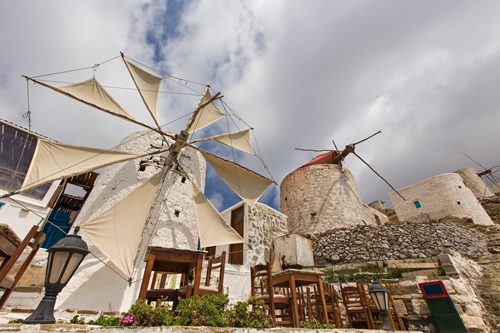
pixel 64 258
pixel 380 296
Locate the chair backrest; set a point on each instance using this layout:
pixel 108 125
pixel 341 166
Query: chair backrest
pixel 261 280
pixel 216 263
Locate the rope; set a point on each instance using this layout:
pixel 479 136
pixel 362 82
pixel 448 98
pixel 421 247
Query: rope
pixel 258 154
pixel 76 70
pixel 28 113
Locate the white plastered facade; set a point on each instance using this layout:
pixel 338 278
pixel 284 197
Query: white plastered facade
pixel 437 197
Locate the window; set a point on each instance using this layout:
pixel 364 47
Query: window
pixel 16 152
pixel 237 223
pixel 417 204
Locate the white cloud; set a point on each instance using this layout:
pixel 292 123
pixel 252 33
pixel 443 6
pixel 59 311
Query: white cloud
pixel 302 73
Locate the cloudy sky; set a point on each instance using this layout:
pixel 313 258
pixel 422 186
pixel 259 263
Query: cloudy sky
pixel 302 73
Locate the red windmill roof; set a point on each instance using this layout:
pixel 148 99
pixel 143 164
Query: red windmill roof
pixel 326 158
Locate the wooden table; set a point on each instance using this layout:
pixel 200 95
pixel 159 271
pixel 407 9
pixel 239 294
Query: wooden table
pixel 293 278
pixel 173 261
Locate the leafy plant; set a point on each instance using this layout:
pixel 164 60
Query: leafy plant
pixel 104 321
pixel 16 321
pixel 315 325
pixel 77 320
pixel 252 314
pixel 143 314
pixel 206 310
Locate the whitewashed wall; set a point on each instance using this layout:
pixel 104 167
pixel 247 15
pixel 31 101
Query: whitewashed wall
pixel 23 212
pixel 440 196
pixel 97 287
pixel 475 183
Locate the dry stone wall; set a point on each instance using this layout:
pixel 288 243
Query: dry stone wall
pixel 403 240
pixel 265 224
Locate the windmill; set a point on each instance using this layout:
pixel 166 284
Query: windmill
pixel 340 155
pixel 487 173
pixel 52 161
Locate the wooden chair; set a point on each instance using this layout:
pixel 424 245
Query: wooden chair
pixel 160 295
pixel 214 263
pixel 10 250
pixel 332 304
pixel 356 308
pixel 262 289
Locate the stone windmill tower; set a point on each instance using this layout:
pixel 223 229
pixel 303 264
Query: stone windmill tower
pixel 323 195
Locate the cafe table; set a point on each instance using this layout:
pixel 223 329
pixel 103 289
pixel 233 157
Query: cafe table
pixel 293 278
pixel 171 260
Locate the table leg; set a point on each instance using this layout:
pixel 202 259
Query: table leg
pixel 323 301
pixel 147 276
pixel 197 276
pixel 295 309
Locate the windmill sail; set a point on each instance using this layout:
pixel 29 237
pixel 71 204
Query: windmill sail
pixel 52 161
pixel 212 228
pixel 117 231
pixel 208 114
pixel 148 86
pixel 91 92
pixel 244 182
pixel 238 140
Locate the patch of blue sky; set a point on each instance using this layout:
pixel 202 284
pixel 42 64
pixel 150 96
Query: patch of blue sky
pixel 165 26
pixel 214 185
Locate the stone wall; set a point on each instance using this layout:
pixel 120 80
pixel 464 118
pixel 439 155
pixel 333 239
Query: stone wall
pixel 321 197
pixel 438 197
pixel 403 240
pixel 265 224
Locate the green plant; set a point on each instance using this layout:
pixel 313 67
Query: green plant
pixel 252 314
pixel 206 310
pixel 104 321
pixel 16 321
pixel 143 314
pixel 315 325
pixel 77 320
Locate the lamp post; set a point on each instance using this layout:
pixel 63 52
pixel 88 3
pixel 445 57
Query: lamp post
pixel 380 296
pixel 64 258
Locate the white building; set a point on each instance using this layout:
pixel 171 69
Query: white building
pixel 98 285
pixel 437 197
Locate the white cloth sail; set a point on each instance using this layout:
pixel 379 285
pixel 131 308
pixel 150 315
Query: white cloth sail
pixel 117 231
pixel 148 86
pixel 52 161
pixel 239 140
pixel 207 115
pixel 212 228
pixel 244 182
pixel 92 93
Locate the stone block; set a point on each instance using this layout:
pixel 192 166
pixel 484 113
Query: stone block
pixel 420 307
pixel 473 309
pixel 473 322
pixel 293 251
pixel 400 307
